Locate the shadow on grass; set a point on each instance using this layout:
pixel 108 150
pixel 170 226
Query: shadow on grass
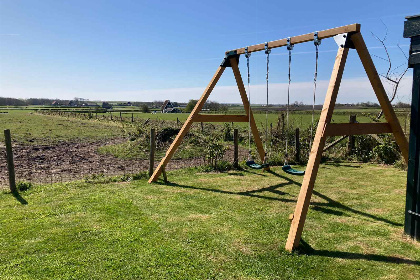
pixel 252 193
pixel 19 198
pixel 336 204
pixel 337 164
pixel 305 248
pixel 317 206
pixel 320 206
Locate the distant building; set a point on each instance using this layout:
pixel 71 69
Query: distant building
pixel 90 104
pixel 125 104
pixel 168 107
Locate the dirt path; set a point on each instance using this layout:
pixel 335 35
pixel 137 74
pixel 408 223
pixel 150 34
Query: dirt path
pixel 69 161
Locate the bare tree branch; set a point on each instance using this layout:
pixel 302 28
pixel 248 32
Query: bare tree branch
pixel 391 75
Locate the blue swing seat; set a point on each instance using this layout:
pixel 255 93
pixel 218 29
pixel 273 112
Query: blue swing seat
pixel 252 164
pixel 288 169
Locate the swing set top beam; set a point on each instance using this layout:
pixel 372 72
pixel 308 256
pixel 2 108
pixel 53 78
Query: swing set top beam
pixel 300 39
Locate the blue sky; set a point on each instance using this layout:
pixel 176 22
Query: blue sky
pixel 154 50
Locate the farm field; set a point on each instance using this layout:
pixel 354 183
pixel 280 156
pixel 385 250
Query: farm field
pixel 29 127
pixel 57 148
pixel 210 226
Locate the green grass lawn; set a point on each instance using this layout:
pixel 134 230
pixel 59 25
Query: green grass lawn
pixel 211 226
pixel 29 127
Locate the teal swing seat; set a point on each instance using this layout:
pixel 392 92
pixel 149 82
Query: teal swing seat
pixel 252 164
pixel 288 169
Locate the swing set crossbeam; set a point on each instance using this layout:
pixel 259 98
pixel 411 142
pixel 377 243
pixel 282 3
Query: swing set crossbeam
pixel 328 33
pixel 342 129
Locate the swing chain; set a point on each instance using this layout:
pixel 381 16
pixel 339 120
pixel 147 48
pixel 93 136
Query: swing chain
pixel 267 51
pixel 247 55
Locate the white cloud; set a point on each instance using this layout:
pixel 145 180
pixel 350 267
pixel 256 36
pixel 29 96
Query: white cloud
pixel 351 91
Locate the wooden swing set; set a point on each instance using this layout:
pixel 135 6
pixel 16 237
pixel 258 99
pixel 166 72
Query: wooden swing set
pixel 347 37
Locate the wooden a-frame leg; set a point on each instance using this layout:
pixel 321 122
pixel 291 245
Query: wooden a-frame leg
pixel 175 144
pixel 380 92
pixel 244 98
pixel 305 194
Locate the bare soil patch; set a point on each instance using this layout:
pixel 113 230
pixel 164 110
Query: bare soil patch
pixel 68 161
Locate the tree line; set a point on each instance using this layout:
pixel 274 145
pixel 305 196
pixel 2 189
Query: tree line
pixel 9 101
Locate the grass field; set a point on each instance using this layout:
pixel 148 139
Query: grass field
pixel 210 226
pixel 29 127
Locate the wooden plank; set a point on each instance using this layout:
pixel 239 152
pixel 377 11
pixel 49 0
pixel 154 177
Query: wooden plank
pixel 244 98
pixel 152 151
pixel 10 163
pixel 305 194
pixel 350 144
pixel 302 38
pixel 341 129
pixel 220 118
pixel 235 148
pixel 175 144
pixel 380 92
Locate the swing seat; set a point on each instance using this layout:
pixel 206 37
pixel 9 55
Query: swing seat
pixel 252 164
pixel 288 169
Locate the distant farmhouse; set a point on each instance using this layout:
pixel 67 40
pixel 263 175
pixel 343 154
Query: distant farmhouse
pixel 168 107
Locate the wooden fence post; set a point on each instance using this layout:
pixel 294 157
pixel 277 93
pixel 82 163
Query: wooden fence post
pixel 10 163
pixel 152 151
pixel 121 116
pixel 132 117
pixel 297 146
pixel 235 148
pixel 282 124
pixel 350 146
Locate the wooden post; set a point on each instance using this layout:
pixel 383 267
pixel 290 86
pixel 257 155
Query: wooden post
pixel 297 146
pixel 412 206
pixel 350 146
pixel 10 163
pixel 308 183
pixel 152 151
pixel 120 116
pixel 202 127
pixel 235 148
pixel 132 117
pixel 282 124
pixel 165 178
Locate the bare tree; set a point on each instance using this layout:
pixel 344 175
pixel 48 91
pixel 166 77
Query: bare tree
pixel 392 75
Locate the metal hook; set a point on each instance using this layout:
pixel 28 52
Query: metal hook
pixel 267 50
pixel 317 41
pixel 289 44
pixel 247 54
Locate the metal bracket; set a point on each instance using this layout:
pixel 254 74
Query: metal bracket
pixel 289 44
pixel 343 40
pixel 267 50
pixel 228 56
pixel 317 41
